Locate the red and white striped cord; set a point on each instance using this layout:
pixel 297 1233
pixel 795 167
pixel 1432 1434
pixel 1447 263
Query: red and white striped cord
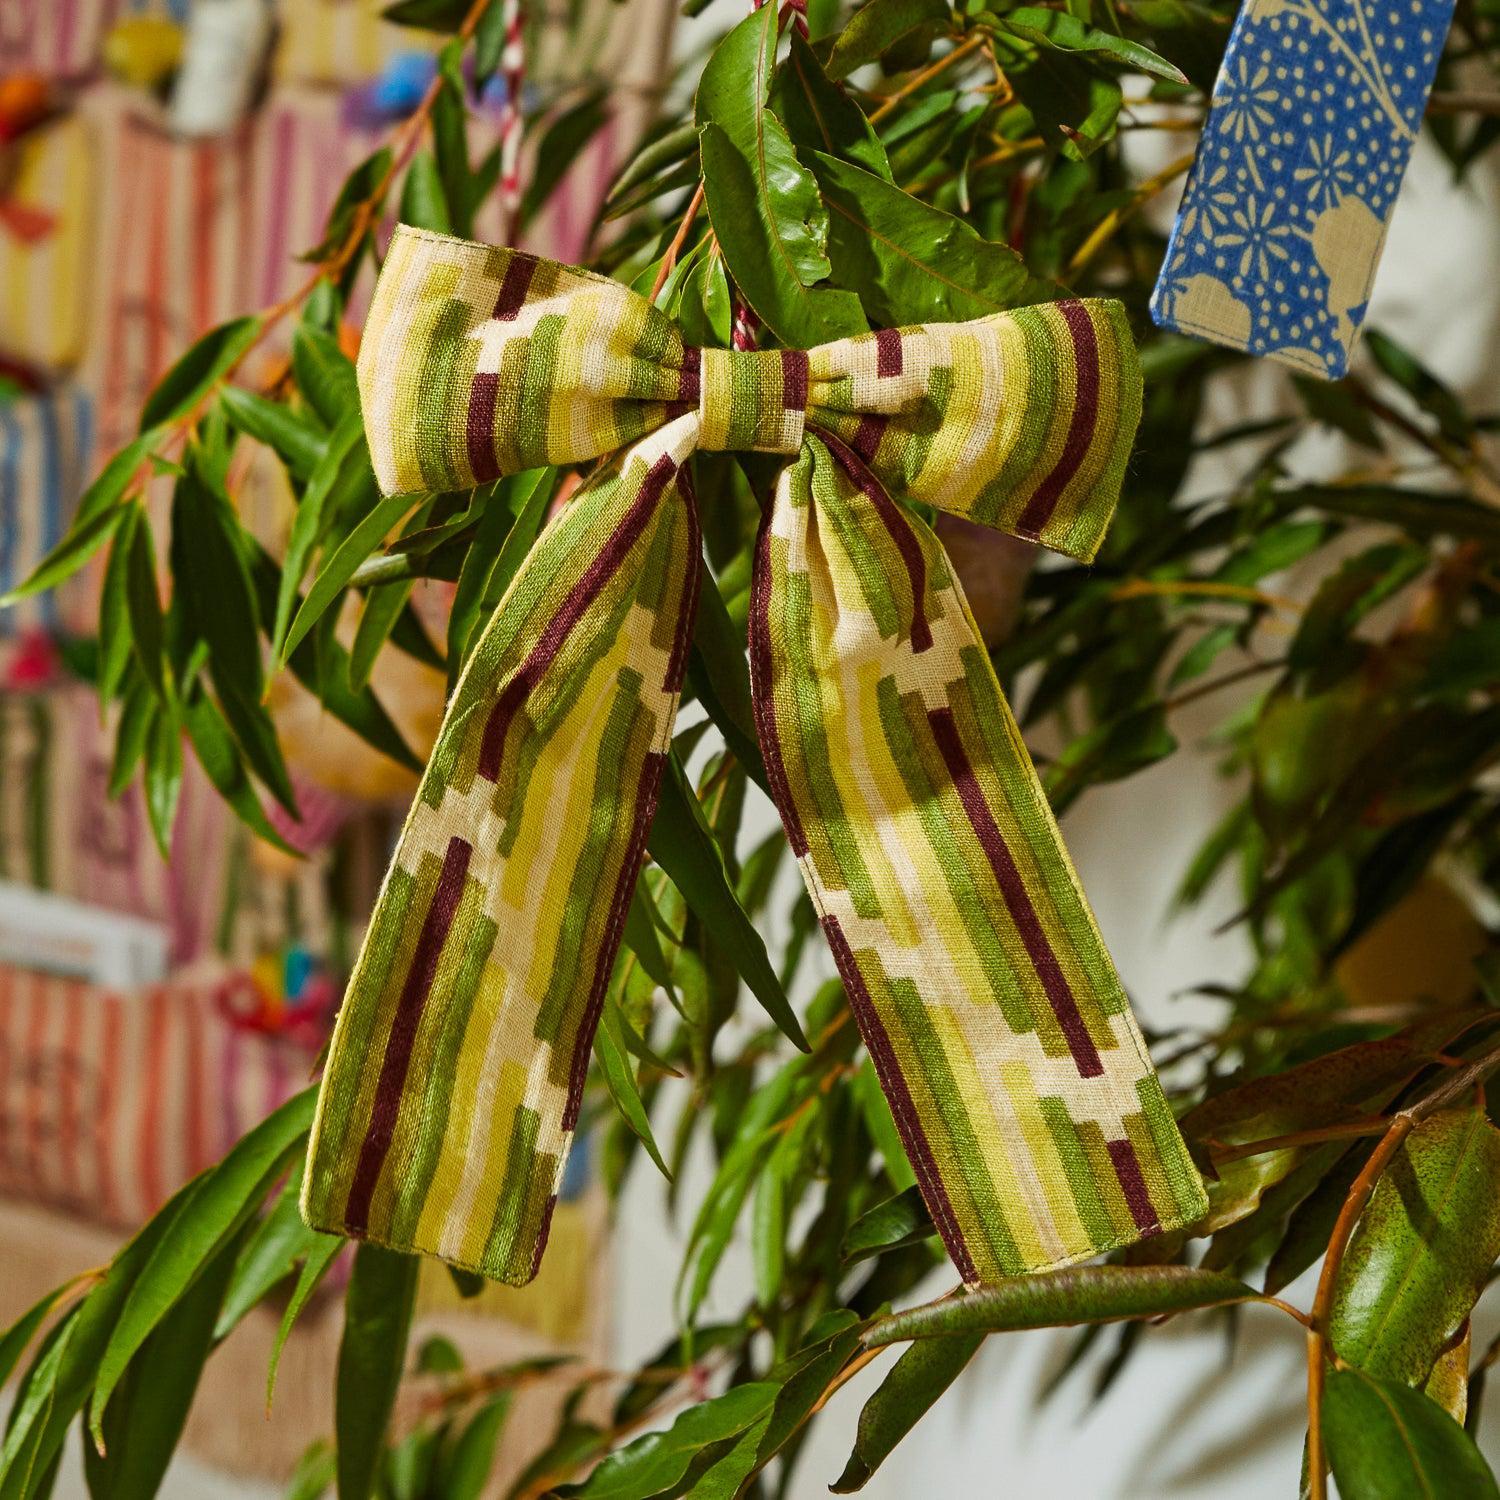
pixel 513 73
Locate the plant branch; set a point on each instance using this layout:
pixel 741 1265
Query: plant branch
pixel 926 76
pixel 1110 224
pixel 675 248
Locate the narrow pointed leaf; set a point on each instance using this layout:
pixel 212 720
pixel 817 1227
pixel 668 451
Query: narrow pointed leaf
pixel 377 1318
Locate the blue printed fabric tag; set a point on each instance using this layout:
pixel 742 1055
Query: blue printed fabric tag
pixel 1313 119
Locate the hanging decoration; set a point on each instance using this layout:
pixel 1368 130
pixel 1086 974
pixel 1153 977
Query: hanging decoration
pixel 1313 120
pixel 1015 1072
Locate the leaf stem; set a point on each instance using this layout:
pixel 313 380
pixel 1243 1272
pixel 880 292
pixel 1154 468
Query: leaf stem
pixel 1109 225
pixel 675 248
pixel 926 76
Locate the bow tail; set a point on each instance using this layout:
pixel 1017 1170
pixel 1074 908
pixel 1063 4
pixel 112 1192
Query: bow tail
pixel 1005 1046
pixel 456 1072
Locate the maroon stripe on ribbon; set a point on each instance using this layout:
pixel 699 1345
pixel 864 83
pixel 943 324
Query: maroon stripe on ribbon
pixel 1013 888
pixel 514 286
pixel 1133 1185
pixel 1080 430
pixel 560 626
pixel 761 695
pixel 479 431
pixel 541 1237
pixel 397 1060
pixel 794 374
pixel 690 376
pixel 683 640
pixel 888 359
pixel 903 1111
pixel 900 532
pixel 867 436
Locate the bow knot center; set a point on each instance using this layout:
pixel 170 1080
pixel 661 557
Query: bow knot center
pixel 751 399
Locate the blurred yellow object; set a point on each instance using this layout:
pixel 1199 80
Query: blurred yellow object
pixel 337 758
pixel 143 50
pixel 561 1306
pixel 45 280
pixel 1421 952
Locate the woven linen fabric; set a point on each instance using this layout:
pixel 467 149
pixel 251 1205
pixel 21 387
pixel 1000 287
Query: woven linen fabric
pixel 1014 1069
pixel 1314 116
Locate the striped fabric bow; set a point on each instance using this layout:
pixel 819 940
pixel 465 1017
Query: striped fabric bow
pixel 1015 1072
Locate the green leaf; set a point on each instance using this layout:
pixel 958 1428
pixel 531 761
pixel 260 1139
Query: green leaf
pixel 377 1318
pixel 85 537
pixel 1348 594
pixel 1088 1294
pixel 217 754
pixel 339 569
pixel 496 553
pixel 14 1340
pixel 114 612
pixel 450 142
pixel 145 1419
pixel 270 1255
pixel 1075 106
pixel 762 201
pixel 642 940
pixel 1423 1249
pixel 912 263
pixel 315 1471
pixel 325 374
pixel 619 1076
pixel 902 1220
pixel 1059 28
pixel 1429 393
pixel 423 202
pixel 776 1191
pixel 464 1470
pixel 65 1368
pixel 915 1383
pixel 720 676
pixel 668 149
pixel 683 845
pixel 143 606
pixel 659 1460
pixel 819 115
pixel 881 25
pixel 881 1125
pixel 219 1203
pixel 320 1259
pixel 1334 402
pixel 342 452
pixel 197 371
pixel 296 440
pixel 321 665
pixel 115 477
pixel 1388 1442
pixel 489 44
pixel 429 15
pixel 163 749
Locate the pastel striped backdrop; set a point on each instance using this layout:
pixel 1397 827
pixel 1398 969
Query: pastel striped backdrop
pixel 1025 1097
pixel 109 1102
pixel 46 445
